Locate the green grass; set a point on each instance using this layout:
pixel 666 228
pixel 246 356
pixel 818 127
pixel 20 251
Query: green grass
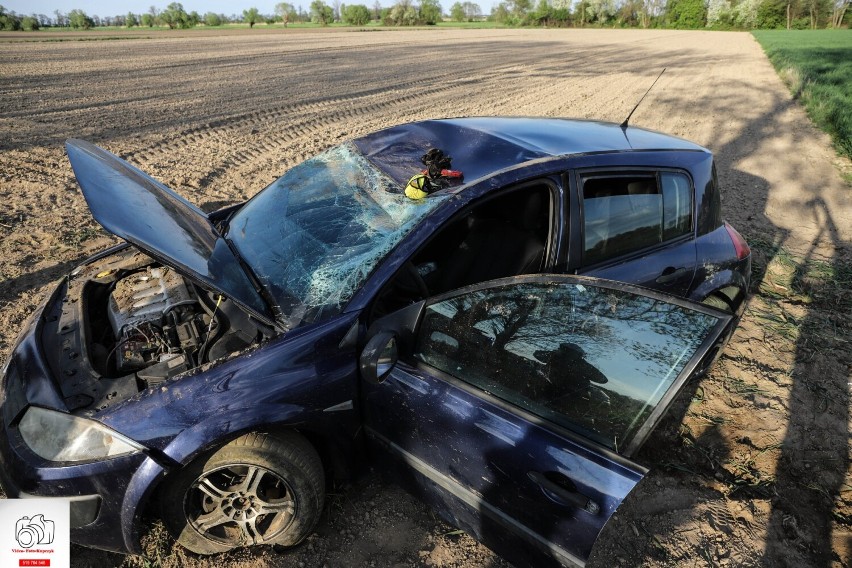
pixel 817 66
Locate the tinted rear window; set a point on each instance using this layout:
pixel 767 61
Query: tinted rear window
pixel 626 213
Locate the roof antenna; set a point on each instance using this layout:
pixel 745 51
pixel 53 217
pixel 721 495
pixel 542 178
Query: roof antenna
pixel 626 120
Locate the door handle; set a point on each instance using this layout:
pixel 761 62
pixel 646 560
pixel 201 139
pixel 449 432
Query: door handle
pixel 554 484
pixel 671 274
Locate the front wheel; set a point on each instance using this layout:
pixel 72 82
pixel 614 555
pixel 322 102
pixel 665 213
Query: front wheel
pixel 257 489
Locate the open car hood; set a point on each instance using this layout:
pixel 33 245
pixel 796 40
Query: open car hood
pixel 137 208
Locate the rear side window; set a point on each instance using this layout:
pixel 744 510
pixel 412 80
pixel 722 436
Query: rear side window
pixel 628 212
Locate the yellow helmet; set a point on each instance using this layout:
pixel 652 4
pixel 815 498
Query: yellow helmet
pixel 416 187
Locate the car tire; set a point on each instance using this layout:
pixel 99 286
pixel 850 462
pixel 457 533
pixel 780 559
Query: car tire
pixel 257 489
pixel 719 301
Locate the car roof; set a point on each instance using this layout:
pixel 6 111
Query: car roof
pixel 482 146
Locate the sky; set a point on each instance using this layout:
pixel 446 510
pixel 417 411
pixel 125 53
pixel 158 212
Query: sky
pixel 227 7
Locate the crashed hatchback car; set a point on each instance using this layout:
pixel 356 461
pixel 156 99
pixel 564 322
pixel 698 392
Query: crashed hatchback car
pixel 502 344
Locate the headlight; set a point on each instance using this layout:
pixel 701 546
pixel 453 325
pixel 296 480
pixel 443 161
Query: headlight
pixel 61 437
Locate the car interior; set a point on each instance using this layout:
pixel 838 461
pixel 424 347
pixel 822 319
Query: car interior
pixel 502 236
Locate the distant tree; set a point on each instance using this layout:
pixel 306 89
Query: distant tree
pixel 771 14
pixel 321 13
pixel 472 11
pixel 838 12
pixel 500 13
pixel 172 15
pixel 403 13
pixel 581 12
pixel 9 21
pixel 251 17
pixel 193 19
pixel 630 13
pixel 130 20
pixel 719 14
pixel 286 12
pixel 745 14
pixel 335 7
pixel 550 14
pixel 29 23
pixel 542 13
pixel 78 20
pixel 519 8
pixel 175 16
pixel 457 12
pixel 689 14
pixel 356 14
pixel 211 19
pixel 377 10
pixel 147 20
pixel 430 12
pixel 819 12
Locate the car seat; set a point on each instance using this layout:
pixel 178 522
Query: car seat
pixel 500 242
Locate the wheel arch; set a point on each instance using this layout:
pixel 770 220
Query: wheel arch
pixel 725 284
pixel 145 488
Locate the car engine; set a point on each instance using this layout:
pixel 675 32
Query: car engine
pixel 158 322
pixel 127 323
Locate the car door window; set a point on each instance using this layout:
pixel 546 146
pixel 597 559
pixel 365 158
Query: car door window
pixel 594 360
pixel 507 234
pixel 627 212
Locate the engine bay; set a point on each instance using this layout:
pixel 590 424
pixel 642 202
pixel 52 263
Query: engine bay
pixel 127 323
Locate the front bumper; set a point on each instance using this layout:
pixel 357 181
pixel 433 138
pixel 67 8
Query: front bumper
pixel 84 508
pixel 99 491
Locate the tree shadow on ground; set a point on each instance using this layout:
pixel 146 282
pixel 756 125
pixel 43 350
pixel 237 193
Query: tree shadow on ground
pixel 807 497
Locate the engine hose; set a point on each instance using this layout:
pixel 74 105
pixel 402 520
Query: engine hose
pixel 208 340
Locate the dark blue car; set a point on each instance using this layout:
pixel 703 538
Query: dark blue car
pixel 502 346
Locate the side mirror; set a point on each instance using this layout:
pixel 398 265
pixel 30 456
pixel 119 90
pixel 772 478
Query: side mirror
pixel 379 357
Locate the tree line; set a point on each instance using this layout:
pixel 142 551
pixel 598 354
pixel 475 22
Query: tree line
pixel 693 14
pixel 683 14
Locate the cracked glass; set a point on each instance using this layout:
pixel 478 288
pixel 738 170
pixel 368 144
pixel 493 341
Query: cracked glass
pixel 313 236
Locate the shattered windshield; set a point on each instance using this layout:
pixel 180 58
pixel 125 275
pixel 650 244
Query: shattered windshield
pixel 314 235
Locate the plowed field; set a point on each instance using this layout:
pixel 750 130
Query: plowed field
pixel 752 467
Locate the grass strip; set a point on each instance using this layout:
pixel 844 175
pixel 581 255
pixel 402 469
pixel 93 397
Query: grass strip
pixel 817 66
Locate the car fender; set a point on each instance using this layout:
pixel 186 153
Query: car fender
pixel 191 443
pixel 136 499
pixel 216 430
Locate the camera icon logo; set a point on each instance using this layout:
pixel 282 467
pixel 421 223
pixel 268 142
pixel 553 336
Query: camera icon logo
pixel 30 531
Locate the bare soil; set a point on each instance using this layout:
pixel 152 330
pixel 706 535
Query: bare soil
pixel 752 467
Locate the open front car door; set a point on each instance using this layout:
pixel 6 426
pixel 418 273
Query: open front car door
pixel 515 406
